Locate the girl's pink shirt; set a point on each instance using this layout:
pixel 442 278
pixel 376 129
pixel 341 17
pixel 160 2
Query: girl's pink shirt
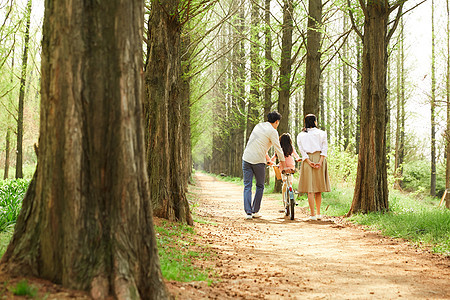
pixel 289 162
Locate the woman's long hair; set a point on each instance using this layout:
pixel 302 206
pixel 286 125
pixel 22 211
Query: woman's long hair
pixel 286 144
pixel 310 122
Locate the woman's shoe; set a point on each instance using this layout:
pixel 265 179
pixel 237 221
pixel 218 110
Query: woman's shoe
pixel 311 218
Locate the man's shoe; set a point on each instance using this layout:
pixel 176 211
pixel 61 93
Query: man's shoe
pixel 248 216
pixel 256 215
pixel 319 217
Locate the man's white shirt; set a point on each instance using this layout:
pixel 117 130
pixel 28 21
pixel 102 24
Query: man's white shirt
pixel 261 139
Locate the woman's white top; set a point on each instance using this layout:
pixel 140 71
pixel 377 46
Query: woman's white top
pixel 261 139
pixel 311 141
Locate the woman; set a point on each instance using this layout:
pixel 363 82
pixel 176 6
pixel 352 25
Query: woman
pixel 313 147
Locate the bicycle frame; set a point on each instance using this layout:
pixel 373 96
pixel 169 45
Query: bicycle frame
pixel 288 195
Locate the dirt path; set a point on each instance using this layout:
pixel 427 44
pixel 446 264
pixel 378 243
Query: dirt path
pixel 276 258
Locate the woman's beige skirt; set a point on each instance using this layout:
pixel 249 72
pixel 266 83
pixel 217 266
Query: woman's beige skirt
pixel 314 180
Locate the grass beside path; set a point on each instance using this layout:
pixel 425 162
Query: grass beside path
pixel 412 217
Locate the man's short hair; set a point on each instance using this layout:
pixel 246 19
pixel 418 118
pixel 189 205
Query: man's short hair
pixel 273 116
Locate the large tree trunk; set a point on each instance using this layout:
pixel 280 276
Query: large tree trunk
pixel 86 220
pixel 312 77
pixel 285 73
pixel 23 77
pixel 371 189
pixel 163 112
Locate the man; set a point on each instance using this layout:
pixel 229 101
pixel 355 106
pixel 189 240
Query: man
pixel 254 160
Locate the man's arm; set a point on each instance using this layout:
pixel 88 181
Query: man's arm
pixel 275 140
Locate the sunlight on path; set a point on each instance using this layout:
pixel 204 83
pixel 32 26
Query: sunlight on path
pixel 275 258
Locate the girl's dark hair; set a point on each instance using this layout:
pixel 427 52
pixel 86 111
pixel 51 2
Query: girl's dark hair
pixel 286 144
pixel 310 122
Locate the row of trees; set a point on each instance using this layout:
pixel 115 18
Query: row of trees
pixel 115 123
pixel 18 79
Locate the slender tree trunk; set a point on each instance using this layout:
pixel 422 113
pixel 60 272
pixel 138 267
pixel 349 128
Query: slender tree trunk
pixel 337 112
pixel 322 103
pixel 433 106
pixel 346 96
pixel 358 94
pixel 253 115
pixel 185 94
pixel 388 112
pixel 400 130
pixel 371 188
pixel 163 111
pixel 23 77
pixel 7 150
pixel 86 220
pixel 312 76
pixel 236 121
pixel 447 169
pixel 285 72
pixel 268 70
pixel 328 102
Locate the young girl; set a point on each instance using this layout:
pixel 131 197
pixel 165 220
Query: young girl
pixel 289 155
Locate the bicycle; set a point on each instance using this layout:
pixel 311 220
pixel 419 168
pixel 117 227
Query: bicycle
pixel 288 194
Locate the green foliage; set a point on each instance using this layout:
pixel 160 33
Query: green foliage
pixel 24 289
pixel 11 195
pixel 342 166
pixel 28 170
pixel 417 177
pixel 430 227
pixel 5 237
pixel 176 255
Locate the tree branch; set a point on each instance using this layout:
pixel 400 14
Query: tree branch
pixel 353 20
pixel 397 19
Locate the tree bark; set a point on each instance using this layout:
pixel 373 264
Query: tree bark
pixel 185 94
pixel 371 189
pixel 7 150
pixel 433 106
pixel 285 72
pixel 346 106
pixel 86 219
pixel 164 108
pixel 23 77
pixel 253 114
pixel 313 54
pixel 447 169
pixel 400 130
pixel 358 94
pixel 268 70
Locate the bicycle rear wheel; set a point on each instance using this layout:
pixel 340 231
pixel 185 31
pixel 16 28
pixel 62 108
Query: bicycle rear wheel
pixel 286 202
pixel 291 207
